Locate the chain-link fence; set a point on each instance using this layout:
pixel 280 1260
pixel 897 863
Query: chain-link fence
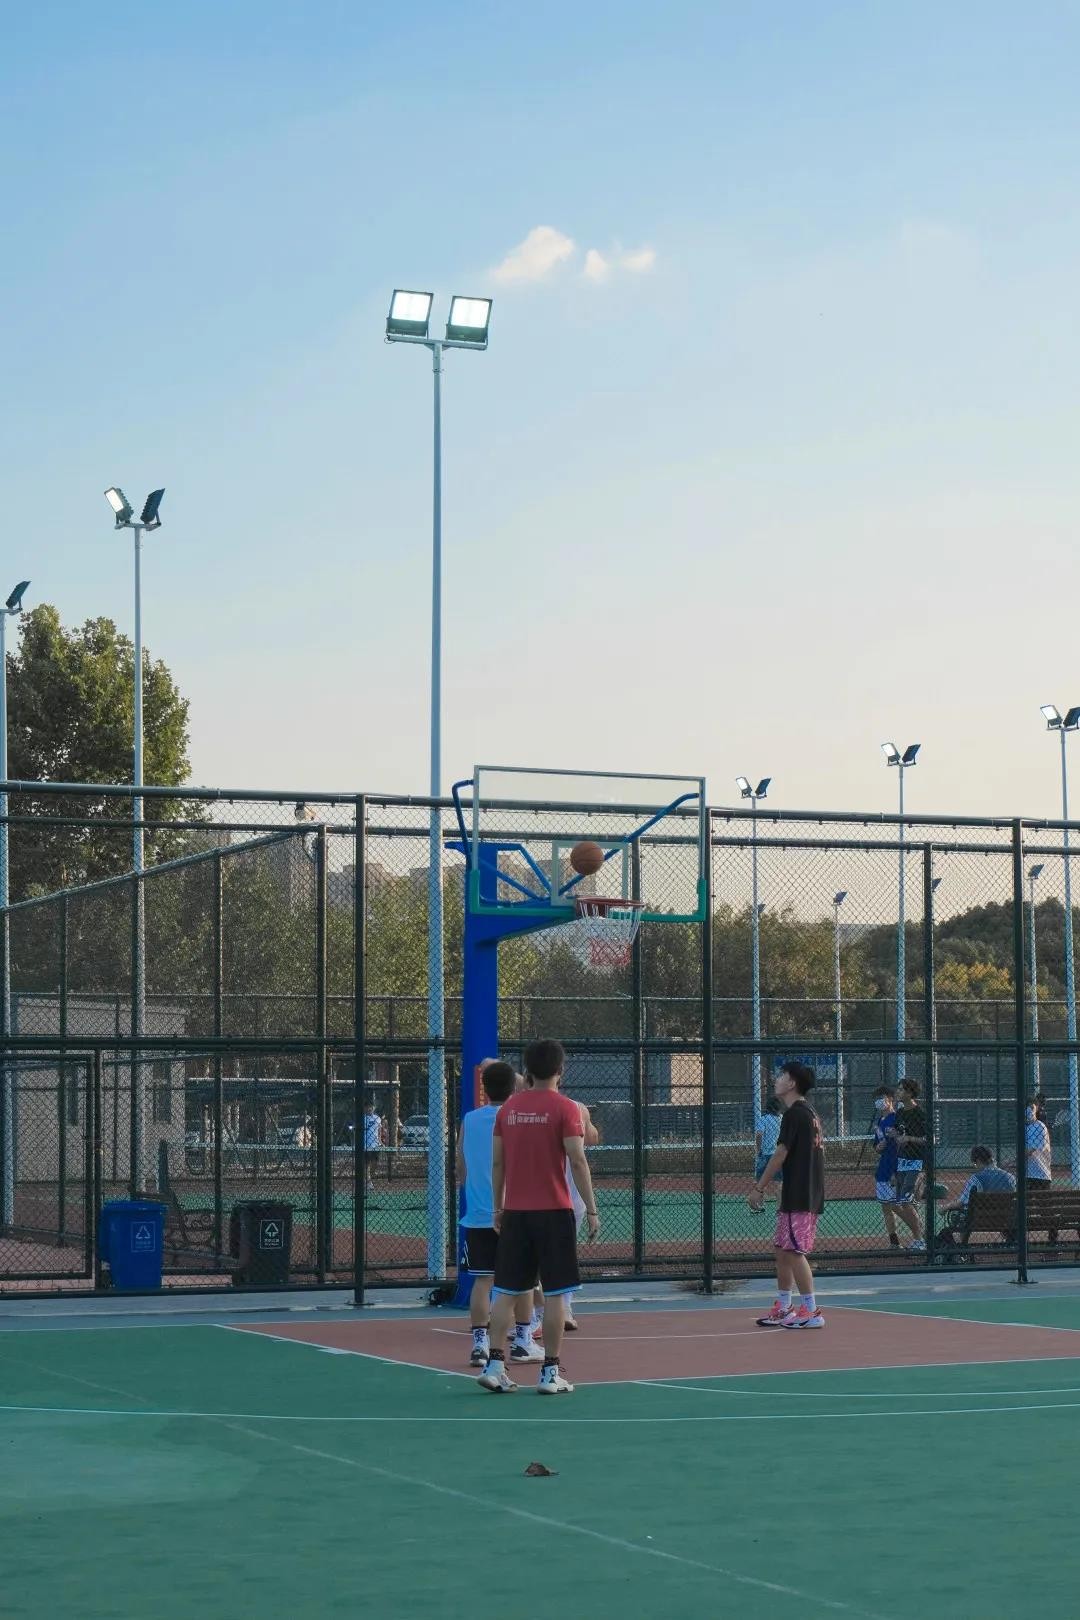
pixel 218 1030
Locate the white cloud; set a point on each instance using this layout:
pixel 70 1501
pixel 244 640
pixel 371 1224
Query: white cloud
pixel 542 251
pixel 596 266
pixel 638 260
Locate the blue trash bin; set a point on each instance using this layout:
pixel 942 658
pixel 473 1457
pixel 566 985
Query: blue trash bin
pixel 131 1236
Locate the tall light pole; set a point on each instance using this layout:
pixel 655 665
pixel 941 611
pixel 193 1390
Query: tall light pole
pixel 754 794
pixel 1063 724
pixel 903 762
pixel 147 521
pixel 409 321
pixel 12 606
pixel 838 900
pixel 1033 968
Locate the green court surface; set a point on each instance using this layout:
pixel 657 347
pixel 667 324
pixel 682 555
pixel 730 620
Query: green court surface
pixel 193 1470
pixel 670 1215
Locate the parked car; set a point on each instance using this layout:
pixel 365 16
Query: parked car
pixel 414 1133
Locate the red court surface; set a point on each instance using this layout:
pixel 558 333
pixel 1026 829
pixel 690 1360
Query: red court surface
pixel 621 1347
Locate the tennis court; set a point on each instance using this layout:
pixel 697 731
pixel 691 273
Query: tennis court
pixel 919 1454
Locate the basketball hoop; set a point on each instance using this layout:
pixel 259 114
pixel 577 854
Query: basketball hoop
pixel 607 926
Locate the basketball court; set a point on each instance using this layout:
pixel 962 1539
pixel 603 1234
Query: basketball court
pixel 317 1461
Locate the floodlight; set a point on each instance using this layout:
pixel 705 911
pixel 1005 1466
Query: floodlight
pixel 935 884
pixel 1036 871
pixel 149 518
pixel 469 321
pixel 14 601
pixel 763 787
pixel 1072 719
pixel 909 754
pixel 120 505
pixel 410 313
pixel 1052 715
pixel 891 752
pixel 744 787
pixel 840 898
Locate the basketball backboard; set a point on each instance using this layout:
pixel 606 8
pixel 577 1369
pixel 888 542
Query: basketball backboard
pixel 518 825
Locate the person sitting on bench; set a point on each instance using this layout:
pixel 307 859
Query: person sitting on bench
pixel 988 1177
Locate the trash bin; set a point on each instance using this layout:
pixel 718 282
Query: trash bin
pixel 131 1242
pixel 260 1238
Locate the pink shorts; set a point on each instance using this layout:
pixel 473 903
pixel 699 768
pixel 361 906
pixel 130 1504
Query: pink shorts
pixel 795 1232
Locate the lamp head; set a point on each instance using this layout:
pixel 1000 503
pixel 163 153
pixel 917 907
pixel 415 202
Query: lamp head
pixel 891 752
pixel 149 518
pixel 14 601
pixel 121 506
pixel 1052 715
pixel 839 899
pixel 469 321
pixel 410 314
pixel 761 791
pixel 744 787
pixel 1036 871
pixel 910 753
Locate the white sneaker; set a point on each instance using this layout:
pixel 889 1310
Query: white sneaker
pixel 570 1322
pixel 481 1355
pixel 526 1352
pixel 552 1382
pixel 497 1380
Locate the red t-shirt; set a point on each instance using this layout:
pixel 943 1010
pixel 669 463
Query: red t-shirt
pixel 532 1125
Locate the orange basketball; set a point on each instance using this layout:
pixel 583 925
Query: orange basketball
pixel 586 858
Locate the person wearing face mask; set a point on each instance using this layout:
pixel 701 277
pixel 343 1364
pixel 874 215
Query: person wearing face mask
pixel 885 1174
pixel 800 1153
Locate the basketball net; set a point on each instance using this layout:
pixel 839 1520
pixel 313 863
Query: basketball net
pixel 607 928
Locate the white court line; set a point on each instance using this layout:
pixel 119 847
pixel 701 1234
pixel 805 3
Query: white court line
pixel 632 1338
pixel 837 1395
pixel 567 1526
pixel 350 1419
pixel 874 1366
pixel 974 1321
pixel 365 1355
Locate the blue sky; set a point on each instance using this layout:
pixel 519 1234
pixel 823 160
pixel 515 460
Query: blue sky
pixel 793 471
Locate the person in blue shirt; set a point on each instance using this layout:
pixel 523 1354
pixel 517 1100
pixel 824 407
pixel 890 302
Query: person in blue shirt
pixel 885 1189
pixel 988 1177
pixel 766 1140
pixel 474 1156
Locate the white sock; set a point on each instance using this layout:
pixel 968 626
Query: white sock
pixel 810 1302
pixel 784 1296
pixel 522 1334
pixel 480 1336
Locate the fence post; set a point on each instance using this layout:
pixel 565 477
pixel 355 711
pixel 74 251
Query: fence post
pixel 1020 1038
pixel 639 1077
pixel 359 1045
pixel 90 1149
pixel 136 1102
pixel 707 1076
pixel 62 1079
pixel 324 1189
pixel 219 1030
pixel 930 1021
pixel 97 1172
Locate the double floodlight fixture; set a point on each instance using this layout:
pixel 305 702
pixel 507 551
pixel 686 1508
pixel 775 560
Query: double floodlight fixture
pixel 748 792
pixel 125 512
pixel 409 320
pixel 14 601
pixel 893 756
pixel 1036 871
pixel 1055 721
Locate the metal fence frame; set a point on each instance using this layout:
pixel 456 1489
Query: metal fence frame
pixel 731 829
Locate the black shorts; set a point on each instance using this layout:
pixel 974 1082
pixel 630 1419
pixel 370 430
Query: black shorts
pixel 537 1244
pixel 478 1245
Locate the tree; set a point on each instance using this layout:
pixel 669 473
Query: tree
pixel 70 703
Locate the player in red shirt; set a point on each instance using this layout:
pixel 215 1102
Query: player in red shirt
pixel 536 1133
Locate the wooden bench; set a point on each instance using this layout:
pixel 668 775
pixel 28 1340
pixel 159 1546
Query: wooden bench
pixel 1055 1211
